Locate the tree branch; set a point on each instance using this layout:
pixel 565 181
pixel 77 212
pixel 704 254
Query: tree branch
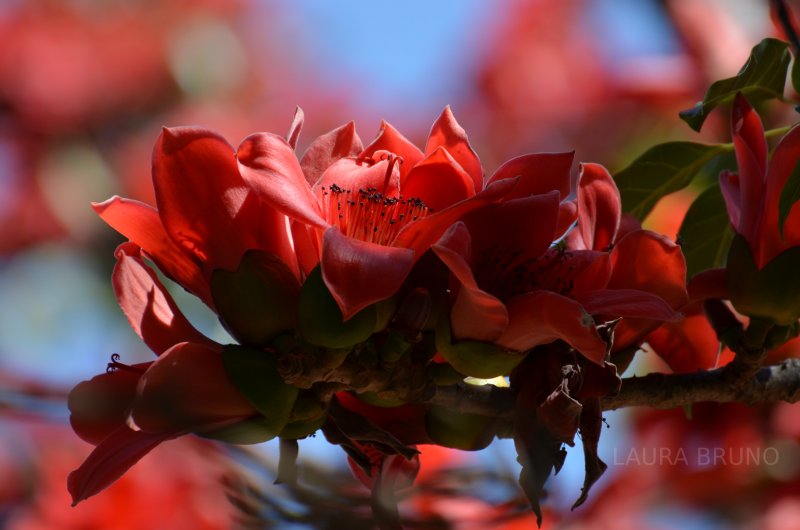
pixel 779 382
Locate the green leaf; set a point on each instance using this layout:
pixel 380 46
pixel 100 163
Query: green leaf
pixel 661 170
pixel 706 233
pixel 789 195
pixel 762 77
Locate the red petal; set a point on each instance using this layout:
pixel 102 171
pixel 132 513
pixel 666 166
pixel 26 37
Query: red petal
pixel 270 168
pixel 527 224
pixel 358 273
pixel 538 173
pixel 543 316
pixel 307 246
pixel 447 133
pixel 150 309
pixel 101 405
pixel 203 202
pixel 187 389
pixel 599 207
pixel 353 174
pixel 729 185
pixel 784 160
pixel 647 261
pixel 627 303
pixel 328 148
pixel 110 460
pixel 295 127
pixel 141 224
pixel 476 314
pixel 439 181
pixel 389 139
pixel 688 345
pixel 712 283
pixel 421 234
pixel 751 159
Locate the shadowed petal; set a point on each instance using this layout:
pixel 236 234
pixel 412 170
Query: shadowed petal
pixel 358 273
pixel 150 309
pixel 626 303
pixel 447 133
pixel 270 168
pixel 784 160
pixel 326 149
pixel 111 459
pixel 188 389
pixel 543 316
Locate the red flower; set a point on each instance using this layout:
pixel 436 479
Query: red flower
pixel 130 410
pixel 753 196
pixel 366 214
pixel 207 217
pixel 517 289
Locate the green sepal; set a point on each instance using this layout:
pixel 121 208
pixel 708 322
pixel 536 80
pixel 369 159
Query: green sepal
pixel 297 430
pixel 483 360
pixel 255 374
pixel 459 430
pixel 772 293
pixel 258 301
pixel 320 321
pixel 247 432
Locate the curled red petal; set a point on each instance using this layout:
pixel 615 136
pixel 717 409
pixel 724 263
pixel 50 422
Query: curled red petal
pixel 389 139
pixel 111 459
pixel 599 207
pixel 203 202
pixel 150 309
pixel 731 193
pixel 341 142
pixel 358 273
pixel 476 314
pixel 784 160
pixel 295 127
pixel 447 133
pixel 537 173
pixel 627 303
pixel 439 181
pixel 188 389
pixel 542 317
pixel 141 224
pixel 751 159
pixel 355 174
pixel 270 168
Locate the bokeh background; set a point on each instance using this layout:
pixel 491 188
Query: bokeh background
pixel 86 85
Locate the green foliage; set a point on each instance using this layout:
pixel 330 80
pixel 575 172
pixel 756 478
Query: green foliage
pixel 661 170
pixel 706 233
pixel 762 77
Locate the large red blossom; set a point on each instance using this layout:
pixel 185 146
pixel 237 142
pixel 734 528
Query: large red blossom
pixel 366 214
pixel 519 290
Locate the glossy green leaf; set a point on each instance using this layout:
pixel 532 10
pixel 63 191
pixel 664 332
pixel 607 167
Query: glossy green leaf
pixel 789 195
pixel 255 374
pixel 762 77
pixel 661 170
pixel 706 233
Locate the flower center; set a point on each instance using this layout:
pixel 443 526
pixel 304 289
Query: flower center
pixel 368 214
pixel 506 273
